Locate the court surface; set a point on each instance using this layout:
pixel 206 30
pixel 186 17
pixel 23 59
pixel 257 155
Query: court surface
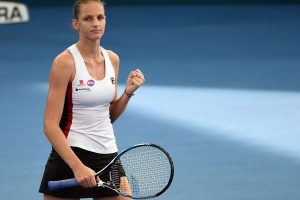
pixel 222 95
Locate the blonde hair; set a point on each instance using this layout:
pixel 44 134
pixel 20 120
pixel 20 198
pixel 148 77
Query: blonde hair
pixel 76 6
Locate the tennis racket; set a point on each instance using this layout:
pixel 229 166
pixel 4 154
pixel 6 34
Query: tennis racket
pixel 142 171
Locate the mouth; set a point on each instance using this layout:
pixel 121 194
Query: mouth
pixel 95 31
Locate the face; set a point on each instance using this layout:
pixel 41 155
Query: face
pixel 91 21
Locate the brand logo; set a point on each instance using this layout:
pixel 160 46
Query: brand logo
pixel 81 86
pixel 12 12
pixel 91 83
pixel 81 83
pixel 83 90
pixel 112 80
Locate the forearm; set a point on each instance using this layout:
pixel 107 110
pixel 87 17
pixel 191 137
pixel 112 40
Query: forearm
pixel 83 174
pixel 61 146
pixel 118 107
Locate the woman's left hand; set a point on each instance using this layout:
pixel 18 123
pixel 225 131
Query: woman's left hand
pixel 134 81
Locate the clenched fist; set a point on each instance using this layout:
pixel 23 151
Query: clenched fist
pixel 134 81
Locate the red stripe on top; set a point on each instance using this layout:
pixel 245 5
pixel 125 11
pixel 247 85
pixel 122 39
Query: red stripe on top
pixel 69 108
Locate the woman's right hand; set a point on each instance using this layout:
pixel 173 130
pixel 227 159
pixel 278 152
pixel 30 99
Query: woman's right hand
pixel 85 176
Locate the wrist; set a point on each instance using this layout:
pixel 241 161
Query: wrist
pixel 128 94
pixel 74 164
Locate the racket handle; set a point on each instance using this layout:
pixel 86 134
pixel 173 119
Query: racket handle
pixel 67 183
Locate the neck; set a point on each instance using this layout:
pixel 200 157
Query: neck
pixel 89 50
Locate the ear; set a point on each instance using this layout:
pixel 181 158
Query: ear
pixel 75 25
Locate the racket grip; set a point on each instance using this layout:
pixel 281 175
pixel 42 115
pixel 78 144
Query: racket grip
pixel 67 183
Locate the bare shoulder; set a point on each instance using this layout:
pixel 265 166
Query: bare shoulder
pixel 115 60
pixel 63 64
pixel 64 59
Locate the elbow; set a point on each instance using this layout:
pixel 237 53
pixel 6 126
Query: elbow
pixel 47 126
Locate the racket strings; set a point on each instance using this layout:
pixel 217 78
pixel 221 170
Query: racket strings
pixel 148 171
pixel 116 173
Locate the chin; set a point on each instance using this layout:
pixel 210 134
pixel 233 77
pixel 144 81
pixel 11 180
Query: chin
pixel 98 37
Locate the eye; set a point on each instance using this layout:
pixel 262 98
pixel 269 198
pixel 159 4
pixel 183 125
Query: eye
pixel 88 18
pixel 101 17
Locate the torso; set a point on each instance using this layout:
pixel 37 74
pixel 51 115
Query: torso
pixel 85 120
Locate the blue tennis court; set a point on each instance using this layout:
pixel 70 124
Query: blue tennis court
pixel 222 95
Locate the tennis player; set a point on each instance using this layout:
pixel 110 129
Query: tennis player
pixel 81 106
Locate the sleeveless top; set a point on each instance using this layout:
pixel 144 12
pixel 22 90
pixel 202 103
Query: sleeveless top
pixel 85 121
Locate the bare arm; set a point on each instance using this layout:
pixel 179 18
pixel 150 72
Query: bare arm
pixel 60 75
pixel 134 81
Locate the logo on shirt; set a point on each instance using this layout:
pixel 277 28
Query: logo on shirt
pixel 112 80
pixel 81 83
pixel 83 89
pixel 91 83
pixel 81 86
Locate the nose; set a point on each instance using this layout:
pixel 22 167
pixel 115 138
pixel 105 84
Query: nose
pixel 96 22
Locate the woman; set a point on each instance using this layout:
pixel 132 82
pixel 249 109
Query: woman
pixel 81 106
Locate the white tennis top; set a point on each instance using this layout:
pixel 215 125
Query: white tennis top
pixel 86 121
